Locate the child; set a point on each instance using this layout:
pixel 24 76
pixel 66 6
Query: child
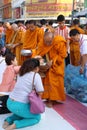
pixel 8 81
pixel 18 102
pixel 63 31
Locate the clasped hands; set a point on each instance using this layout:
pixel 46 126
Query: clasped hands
pixel 44 65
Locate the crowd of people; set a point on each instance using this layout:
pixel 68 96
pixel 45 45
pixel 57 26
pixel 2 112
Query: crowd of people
pixel 52 50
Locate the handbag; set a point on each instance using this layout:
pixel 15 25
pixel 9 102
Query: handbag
pixel 37 106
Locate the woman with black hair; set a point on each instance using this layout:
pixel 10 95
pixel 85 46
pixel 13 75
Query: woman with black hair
pixel 8 81
pixel 18 102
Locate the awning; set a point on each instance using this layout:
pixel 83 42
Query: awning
pixel 17 3
pixel 82 13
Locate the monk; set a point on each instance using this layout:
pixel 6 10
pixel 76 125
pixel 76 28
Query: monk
pixel 74 45
pixel 8 32
pixel 55 48
pixel 82 41
pixel 16 43
pixel 21 25
pixel 33 36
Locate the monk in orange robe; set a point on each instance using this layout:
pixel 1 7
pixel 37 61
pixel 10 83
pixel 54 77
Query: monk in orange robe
pixel 74 46
pixel 33 36
pixel 55 48
pixel 17 42
pixel 8 32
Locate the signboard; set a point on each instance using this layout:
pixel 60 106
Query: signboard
pixel 7 1
pixel 40 1
pixel 48 10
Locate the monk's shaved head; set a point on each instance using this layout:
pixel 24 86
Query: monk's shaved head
pixel 48 38
pixel 48 34
pixel 14 26
pixel 7 25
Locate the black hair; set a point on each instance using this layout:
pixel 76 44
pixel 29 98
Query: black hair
pixel 76 21
pixel 51 22
pixel 43 21
pixel 27 22
pixel 73 32
pixel 32 22
pixel 1 46
pixel 1 22
pixel 19 21
pixel 9 58
pixel 5 52
pixel 60 18
pixel 47 30
pixel 1 49
pixel 29 65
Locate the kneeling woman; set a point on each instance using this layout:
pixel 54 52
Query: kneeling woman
pixel 18 102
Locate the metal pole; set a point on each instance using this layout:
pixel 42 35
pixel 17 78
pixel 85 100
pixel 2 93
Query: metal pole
pixel 72 11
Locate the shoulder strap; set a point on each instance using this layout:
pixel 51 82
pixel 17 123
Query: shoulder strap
pixel 33 82
pixel 47 57
pixel 13 38
pixel 2 61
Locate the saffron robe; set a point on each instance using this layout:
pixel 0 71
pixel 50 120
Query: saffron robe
pixel 8 33
pixel 31 40
pixel 54 80
pixel 74 49
pixel 18 39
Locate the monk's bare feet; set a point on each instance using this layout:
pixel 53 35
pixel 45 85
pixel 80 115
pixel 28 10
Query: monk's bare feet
pixel 49 103
pixel 11 127
pixel 5 125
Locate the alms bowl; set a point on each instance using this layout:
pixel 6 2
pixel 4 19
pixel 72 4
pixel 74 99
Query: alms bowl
pixel 26 52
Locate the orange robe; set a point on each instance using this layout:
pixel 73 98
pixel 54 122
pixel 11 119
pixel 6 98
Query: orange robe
pixel 8 33
pixel 74 49
pixel 32 39
pixel 54 80
pixel 18 39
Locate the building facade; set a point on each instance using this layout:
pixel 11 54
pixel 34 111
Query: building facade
pixel 7 9
pixel 85 3
pixel 38 9
pixel 1 9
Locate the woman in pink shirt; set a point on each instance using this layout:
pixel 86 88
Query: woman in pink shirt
pixel 8 81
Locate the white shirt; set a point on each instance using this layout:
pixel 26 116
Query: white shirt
pixel 2 67
pixel 23 87
pixel 83 44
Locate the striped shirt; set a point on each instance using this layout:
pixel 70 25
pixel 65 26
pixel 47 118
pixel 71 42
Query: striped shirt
pixel 63 32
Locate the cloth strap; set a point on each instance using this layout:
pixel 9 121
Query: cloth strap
pixel 13 39
pixel 33 87
pixel 47 57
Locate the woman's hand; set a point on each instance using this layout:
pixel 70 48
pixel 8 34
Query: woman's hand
pixel 40 94
pixel 81 71
pixel 49 63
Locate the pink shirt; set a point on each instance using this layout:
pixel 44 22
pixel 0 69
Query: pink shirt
pixel 9 78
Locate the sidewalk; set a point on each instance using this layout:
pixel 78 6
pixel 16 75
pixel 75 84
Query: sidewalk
pixel 51 120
